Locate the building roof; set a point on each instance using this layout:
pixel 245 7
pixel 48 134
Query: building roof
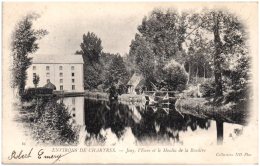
pixel 51 58
pixel 50 86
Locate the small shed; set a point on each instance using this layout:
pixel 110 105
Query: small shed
pixel 133 83
pixel 50 85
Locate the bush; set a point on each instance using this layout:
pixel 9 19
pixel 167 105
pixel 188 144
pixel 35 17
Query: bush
pixel 208 88
pixel 32 93
pixel 52 124
pixel 174 76
pixel 191 91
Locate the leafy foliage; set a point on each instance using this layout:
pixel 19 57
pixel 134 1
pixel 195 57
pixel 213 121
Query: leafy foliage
pixel 91 47
pixel 208 88
pixel 91 51
pixel 165 31
pixel 36 79
pixel 211 44
pixel 24 42
pixel 144 58
pixel 52 124
pixel 101 69
pixel 174 76
pixel 160 38
pixel 116 71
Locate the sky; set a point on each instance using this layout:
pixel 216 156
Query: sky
pixel 115 23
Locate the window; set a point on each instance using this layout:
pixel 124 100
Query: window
pixel 47 74
pixel 72 74
pixel 61 87
pixel 73 109
pixel 73 80
pixel 60 67
pixel 47 67
pixel 61 74
pixel 72 67
pixel 73 87
pixel 48 80
pixel 73 115
pixel 34 74
pixel 61 80
pixel 34 67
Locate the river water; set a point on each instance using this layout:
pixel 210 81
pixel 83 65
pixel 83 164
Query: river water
pixel 114 123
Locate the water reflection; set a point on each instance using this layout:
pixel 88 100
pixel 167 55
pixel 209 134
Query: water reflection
pixel 110 123
pixel 219 125
pixel 76 107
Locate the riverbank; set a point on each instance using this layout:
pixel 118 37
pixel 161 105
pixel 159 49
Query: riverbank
pixel 122 98
pixel 202 108
pixel 96 95
pixel 48 122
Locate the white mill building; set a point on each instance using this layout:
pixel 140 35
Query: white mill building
pixel 65 72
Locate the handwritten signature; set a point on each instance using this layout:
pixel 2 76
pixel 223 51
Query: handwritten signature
pixel 41 154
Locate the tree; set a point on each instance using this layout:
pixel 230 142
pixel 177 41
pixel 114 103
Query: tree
pixel 205 43
pixel 143 58
pixel 24 43
pixel 116 71
pixel 165 32
pixel 90 48
pixel 91 51
pixel 198 56
pixel 221 23
pixel 36 80
pixel 160 39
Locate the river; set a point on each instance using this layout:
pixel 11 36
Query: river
pixel 114 123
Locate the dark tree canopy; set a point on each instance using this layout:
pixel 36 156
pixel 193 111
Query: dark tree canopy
pixel 165 31
pixel 117 71
pixel 91 51
pixel 210 43
pixel 90 47
pixel 24 43
pixel 101 69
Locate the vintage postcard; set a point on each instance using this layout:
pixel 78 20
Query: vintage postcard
pixel 130 83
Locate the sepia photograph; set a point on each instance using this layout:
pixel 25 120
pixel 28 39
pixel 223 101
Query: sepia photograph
pixel 130 83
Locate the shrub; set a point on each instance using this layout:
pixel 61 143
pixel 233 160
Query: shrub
pixel 208 88
pixel 52 124
pixel 174 76
pixel 32 93
pixel 191 91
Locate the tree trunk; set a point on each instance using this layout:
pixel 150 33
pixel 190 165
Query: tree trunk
pixel 189 73
pixel 204 75
pixel 220 131
pixel 197 71
pixel 217 58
